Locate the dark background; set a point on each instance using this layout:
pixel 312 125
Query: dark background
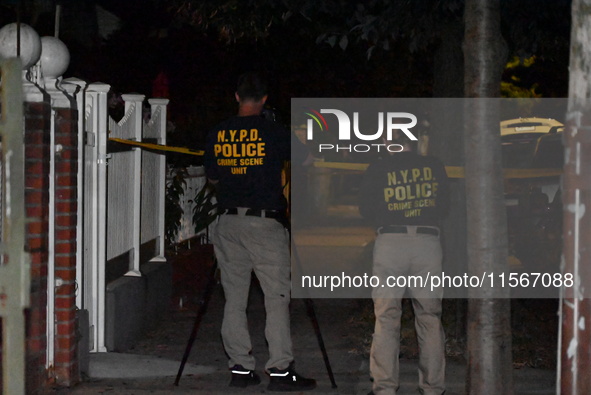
pixel 302 55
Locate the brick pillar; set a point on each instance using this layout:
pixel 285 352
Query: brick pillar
pixel 37 140
pixel 66 168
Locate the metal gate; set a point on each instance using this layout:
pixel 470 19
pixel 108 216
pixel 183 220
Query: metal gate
pixel 14 264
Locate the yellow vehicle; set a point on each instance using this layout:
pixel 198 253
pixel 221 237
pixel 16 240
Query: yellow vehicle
pixel 534 208
pixel 532 143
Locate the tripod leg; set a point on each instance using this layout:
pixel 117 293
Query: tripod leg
pixel 202 309
pixel 312 314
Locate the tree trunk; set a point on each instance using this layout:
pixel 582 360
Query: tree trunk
pixel 575 307
pixel 447 143
pixel 489 324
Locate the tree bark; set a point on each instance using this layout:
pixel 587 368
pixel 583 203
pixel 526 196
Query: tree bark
pixel 489 324
pixel 575 307
pixel 447 143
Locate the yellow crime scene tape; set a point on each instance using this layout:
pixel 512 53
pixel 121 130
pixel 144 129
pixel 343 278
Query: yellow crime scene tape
pixel 158 147
pixel 452 171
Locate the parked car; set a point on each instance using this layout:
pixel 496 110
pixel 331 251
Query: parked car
pixel 524 140
pixel 534 207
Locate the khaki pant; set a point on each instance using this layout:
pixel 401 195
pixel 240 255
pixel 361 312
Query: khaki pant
pixel 398 254
pixel 244 244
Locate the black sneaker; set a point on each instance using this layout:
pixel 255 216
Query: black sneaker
pixel 288 380
pixel 242 377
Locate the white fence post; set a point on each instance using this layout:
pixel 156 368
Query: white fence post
pixel 59 99
pixel 95 207
pixel 155 129
pixel 76 88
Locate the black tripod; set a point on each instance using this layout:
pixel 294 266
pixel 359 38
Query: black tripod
pixel 203 308
pixel 312 314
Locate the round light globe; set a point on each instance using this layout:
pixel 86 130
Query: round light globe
pixel 30 44
pixel 55 57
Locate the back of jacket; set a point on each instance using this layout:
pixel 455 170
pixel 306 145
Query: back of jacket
pixel 405 189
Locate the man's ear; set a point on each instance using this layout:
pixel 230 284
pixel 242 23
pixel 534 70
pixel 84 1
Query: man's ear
pixel 237 97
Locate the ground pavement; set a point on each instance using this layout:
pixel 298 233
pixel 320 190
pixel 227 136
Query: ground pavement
pixel 151 367
pixel 346 326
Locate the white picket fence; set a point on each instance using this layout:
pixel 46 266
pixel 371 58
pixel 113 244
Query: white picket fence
pixel 123 193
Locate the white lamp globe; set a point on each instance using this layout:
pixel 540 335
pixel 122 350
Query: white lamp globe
pixel 30 50
pixel 55 57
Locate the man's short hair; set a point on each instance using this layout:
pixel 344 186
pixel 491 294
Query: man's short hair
pixel 251 86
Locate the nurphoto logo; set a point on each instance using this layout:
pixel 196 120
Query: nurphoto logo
pixel 395 122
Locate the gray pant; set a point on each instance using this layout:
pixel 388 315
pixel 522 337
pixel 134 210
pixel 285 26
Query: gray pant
pixel 403 255
pixel 244 244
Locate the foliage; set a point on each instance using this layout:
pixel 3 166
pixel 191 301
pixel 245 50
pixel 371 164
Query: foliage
pixel 515 85
pixel 539 27
pixel 173 210
pixel 205 208
pixel 410 29
pixel 334 22
pixel 233 19
pixel 381 22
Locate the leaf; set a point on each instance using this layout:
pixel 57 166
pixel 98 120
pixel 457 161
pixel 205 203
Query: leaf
pixel 173 211
pixel 205 210
pixel 370 51
pixel 344 42
pixel 303 14
pixel 321 38
pixel 332 40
